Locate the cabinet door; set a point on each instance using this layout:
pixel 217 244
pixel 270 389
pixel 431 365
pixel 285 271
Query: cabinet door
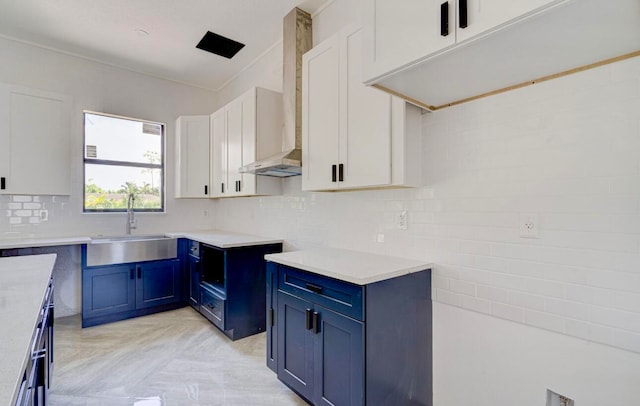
pixel 483 16
pixel 157 283
pixel 320 115
pixel 194 281
pixel 108 290
pixel 234 146
pixel 338 360
pixel 365 142
pixel 295 344
pixel 272 306
pixel 192 153
pixel 219 178
pixel 247 184
pixel 398 35
pixel 38 128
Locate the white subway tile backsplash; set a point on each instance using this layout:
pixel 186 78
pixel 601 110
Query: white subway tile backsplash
pixel 21 199
pixel 507 312
pixel 14 206
pixel 545 320
pixel 23 213
pixel 566 149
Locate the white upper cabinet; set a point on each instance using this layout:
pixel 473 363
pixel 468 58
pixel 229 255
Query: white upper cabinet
pixel 437 53
pixel 353 136
pixel 192 157
pixel 245 130
pixel 35 134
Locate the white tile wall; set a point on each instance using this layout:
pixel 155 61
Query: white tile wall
pixel 567 150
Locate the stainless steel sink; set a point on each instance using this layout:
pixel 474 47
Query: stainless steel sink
pixel 109 250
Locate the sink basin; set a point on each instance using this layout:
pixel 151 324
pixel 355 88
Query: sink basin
pixel 125 249
pixel 118 238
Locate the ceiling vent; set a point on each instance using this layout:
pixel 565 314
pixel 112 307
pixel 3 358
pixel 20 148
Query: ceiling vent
pixel 219 45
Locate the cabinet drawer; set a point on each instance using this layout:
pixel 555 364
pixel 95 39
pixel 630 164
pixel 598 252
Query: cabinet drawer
pixel 342 297
pixel 212 307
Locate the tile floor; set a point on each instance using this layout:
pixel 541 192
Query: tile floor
pixel 170 358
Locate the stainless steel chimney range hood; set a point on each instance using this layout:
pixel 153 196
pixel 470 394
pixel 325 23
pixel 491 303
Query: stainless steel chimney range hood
pixel 296 41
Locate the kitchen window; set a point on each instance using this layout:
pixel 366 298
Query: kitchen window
pixel 122 156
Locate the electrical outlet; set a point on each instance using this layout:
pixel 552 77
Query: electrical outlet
pixel 529 225
pixel 402 220
pixel 555 399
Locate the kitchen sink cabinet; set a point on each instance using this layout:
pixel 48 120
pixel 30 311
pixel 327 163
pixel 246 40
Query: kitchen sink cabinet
pixel 192 157
pixel 339 343
pixel 247 129
pixel 118 292
pixel 35 134
pixel 353 136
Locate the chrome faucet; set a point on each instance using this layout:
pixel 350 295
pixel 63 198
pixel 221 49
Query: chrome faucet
pixel 131 221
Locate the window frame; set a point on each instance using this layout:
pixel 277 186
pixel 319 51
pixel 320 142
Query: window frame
pixel 108 162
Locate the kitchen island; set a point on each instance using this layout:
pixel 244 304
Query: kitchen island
pixel 24 282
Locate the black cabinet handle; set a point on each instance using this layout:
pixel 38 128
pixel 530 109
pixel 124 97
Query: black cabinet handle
pixel 316 323
pixel 464 16
pixel 270 320
pixel 222 187
pixel 308 319
pixel 444 19
pixel 206 189
pixel 239 186
pixel 139 272
pixel 131 274
pixel 3 183
pixel 341 173
pixel 314 288
pixel 333 173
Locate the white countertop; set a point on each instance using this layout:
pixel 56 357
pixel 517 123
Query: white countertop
pixel 225 239
pixel 351 266
pixel 10 243
pixel 217 238
pixel 23 284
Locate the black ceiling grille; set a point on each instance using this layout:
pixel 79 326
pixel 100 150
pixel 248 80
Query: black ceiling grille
pixel 219 45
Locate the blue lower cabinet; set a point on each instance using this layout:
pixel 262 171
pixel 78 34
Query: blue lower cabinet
pixel 338 359
pixel 193 282
pixel 118 292
pixel 108 290
pixel 158 283
pixel 340 344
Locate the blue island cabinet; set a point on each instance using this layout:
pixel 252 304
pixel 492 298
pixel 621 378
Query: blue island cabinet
pixel 338 343
pixel 118 292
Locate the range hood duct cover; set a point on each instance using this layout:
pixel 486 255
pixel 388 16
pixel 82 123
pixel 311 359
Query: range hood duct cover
pixel 297 40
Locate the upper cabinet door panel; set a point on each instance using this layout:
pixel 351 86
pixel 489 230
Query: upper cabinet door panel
pixel 320 114
pixel 486 15
pixel 365 149
pixel 39 143
pixel 218 153
pixel 248 145
pixel 192 142
pixel 234 144
pixel 400 33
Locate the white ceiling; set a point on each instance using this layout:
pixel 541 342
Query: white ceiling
pixel 107 31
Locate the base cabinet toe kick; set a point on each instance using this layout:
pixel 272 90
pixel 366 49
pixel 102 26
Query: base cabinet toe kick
pixel 338 343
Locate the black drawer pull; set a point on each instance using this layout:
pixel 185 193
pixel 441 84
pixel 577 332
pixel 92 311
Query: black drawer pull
pixel 341 173
pixel 463 13
pixel 333 173
pixel 3 183
pixel 316 323
pixel 308 319
pixel 222 188
pixel 139 272
pixel 206 189
pixel 270 321
pixel 314 288
pixel 131 274
pixel 444 19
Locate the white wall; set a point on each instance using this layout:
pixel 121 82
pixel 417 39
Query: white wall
pixel 514 316
pixel 107 89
